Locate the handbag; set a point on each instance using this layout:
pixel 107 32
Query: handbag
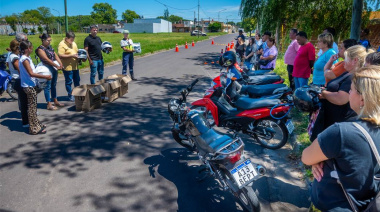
pixel 374 204
pixel 264 62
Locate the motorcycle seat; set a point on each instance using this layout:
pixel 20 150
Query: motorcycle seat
pixel 246 103
pixel 260 72
pixel 263 79
pixel 213 141
pixel 263 90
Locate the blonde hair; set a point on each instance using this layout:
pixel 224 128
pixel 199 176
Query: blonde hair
pixel 327 38
pixel 359 52
pixel 367 83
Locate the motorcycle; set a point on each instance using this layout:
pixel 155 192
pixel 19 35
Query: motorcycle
pixel 243 78
pixel 222 155
pixel 266 120
pixel 6 80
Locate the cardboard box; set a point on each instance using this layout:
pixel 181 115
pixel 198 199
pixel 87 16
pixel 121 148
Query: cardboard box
pixel 123 80
pixel 88 97
pixel 112 87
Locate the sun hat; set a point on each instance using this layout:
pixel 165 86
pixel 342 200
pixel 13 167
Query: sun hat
pixel 125 31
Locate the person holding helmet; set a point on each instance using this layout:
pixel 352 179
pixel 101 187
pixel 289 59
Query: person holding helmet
pixel 93 46
pixel 28 77
pixel 127 45
pixel 49 59
pixel 68 52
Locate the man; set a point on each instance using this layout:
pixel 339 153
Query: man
pixel 20 36
pixel 304 60
pixel 290 55
pixel 261 48
pixel 241 35
pixel 364 38
pixel 127 45
pixel 331 31
pixel 92 44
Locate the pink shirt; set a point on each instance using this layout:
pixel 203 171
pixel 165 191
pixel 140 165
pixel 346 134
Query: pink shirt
pixel 291 52
pixel 301 67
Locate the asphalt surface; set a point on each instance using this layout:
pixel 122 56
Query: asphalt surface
pixel 122 157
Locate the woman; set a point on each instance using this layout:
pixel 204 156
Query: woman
pixel 269 57
pixel 249 54
pixel 372 59
pixel 344 146
pixel 13 65
pixel 325 43
pixel 258 43
pixel 28 83
pixel 333 71
pixel 68 52
pixel 47 55
pixel 240 48
pixel 335 105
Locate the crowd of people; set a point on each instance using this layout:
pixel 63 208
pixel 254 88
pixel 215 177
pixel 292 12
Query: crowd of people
pixel 26 76
pixel 342 161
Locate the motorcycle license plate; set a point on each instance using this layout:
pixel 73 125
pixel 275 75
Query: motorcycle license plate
pixel 244 173
pixel 289 126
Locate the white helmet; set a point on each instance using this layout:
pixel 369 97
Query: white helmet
pixel 82 54
pixel 137 47
pixel 106 47
pixel 43 70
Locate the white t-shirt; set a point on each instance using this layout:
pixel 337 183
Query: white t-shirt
pixel 127 42
pixel 10 59
pixel 335 47
pixel 26 79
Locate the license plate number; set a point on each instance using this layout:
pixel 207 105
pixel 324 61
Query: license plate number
pixel 244 173
pixel 289 126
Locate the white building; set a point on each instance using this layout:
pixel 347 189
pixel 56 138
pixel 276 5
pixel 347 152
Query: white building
pixel 149 25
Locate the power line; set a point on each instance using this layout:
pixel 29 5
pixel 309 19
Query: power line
pixel 175 7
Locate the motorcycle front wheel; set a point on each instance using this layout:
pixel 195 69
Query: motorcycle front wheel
pixel 11 91
pixel 270 133
pixel 247 197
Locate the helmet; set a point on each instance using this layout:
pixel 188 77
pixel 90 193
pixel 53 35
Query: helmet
pixel 137 47
pixel 106 47
pixel 82 54
pixel 43 70
pixel 227 59
pixel 306 98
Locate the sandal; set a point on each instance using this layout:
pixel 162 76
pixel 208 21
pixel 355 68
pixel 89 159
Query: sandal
pixel 59 104
pixel 42 131
pixel 52 107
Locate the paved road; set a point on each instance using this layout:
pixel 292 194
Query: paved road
pixel 122 157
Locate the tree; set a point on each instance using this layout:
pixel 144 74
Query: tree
pixel 46 16
pixel 33 30
pixel 12 21
pixel 249 24
pixel 174 18
pixel 129 15
pixel 25 30
pixel 104 13
pixel 215 27
pixel 40 29
pixel 231 23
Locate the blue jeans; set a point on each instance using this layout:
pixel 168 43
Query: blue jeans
pixel 51 85
pixel 299 82
pixel 69 77
pixel 127 61
pixel 249 65
pixel 97 66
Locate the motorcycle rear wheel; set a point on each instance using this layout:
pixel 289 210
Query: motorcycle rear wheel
pixel 274 134
pixel 247 197
pixel 11 91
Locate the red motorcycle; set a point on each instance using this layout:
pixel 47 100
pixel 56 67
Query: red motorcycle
pixel 266 120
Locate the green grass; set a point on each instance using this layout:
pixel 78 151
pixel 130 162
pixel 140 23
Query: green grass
pixel 149 42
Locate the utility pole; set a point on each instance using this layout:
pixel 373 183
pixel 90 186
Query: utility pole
pixel 198 18
pixel 356 19
pixel 66 19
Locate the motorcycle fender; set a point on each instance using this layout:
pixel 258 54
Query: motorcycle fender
pixel 263 112
pixel 209 105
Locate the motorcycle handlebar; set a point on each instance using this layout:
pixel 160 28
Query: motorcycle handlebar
pixel 190 87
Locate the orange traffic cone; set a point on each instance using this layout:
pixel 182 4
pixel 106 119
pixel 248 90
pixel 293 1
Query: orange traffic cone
pixel 228 47
pixel 176 48
pixel 192 44
pixel 212 42
pixel 205 63
pixel 186 47
pixel 232 45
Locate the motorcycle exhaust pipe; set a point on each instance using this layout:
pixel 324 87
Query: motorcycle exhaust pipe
pixel 261 169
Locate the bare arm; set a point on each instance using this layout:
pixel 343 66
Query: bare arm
pixel 337 98
pixel 16 65
pixel 329 64
pixel 59 61
pixel 31 73
pixel 88 56
pixel 313 154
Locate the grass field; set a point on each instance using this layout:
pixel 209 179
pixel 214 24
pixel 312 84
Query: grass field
pixel 149 42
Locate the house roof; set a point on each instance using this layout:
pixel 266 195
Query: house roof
pixel 374 15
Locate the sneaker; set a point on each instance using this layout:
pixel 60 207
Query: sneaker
pixel 71 98
pixel 25 125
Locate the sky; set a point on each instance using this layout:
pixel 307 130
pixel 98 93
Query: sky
pixel 229 9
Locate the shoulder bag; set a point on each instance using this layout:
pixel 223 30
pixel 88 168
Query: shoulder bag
pixel 374 204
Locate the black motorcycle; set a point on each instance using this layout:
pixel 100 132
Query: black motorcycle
pixel 223 155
